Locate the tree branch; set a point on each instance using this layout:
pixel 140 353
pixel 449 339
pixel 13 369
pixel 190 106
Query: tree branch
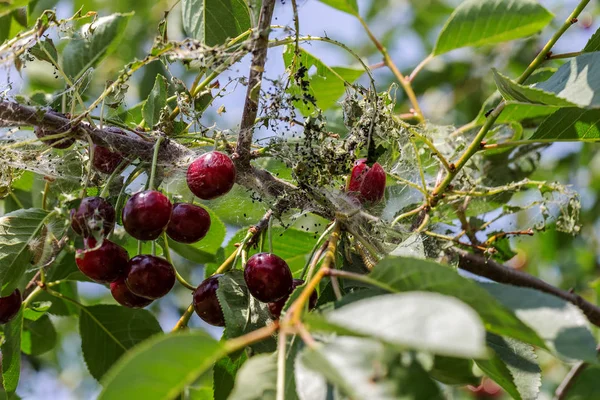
pixel 259 58
pixel 490 269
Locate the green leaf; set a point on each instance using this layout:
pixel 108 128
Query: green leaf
pixel 419 320
pixel 242 312
pixel 347 6
pixel 161 367
pixel 586 385
pixel 36 310
pixel 521 361
pixel 453 371
pixel 327 84
pixel 214 21
pixel 5 22
pixel 38 336
pixel 483 22
pixel 514 92
pixel 257 380
pixel 7 6
pixel 593 44
pixel 569 124
pixel 44 50
pixel 563 326
pixel 11 353
pixel 224 374
pixel 156 101
pixel 366 369
pixel 94 42
pixel 206 249
pixel 108 331
pixel 18 231
pixel 399 274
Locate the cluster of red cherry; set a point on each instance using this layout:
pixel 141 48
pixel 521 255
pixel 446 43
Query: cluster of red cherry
pixel 138 281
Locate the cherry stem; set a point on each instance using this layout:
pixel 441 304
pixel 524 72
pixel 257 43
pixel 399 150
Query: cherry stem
pixel 185 318
pixel 32 295
pixel 240 342
pixel 154 162
pixel 325 233
pixel 108 182
pixel 281 353
pixel 167 254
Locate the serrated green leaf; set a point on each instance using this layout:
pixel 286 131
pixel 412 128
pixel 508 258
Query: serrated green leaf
pixel 327 84
pixel 38 336
pixel 18 231
pixel 206 249
pixel 560 324
pixel 156 101
pixel 569 124
pixel 400 274
pixel 418 320
pixel 257 380
pixel 594 43
pixel 365 369
pixel 161 367
pixel 521 361
pixel 108 331
pixel 224 374
pixel 213 22
pixel 44 50
pixel 523 94
pixel 94 42
pixel 242 312
pixel 482 22
pixel 347 6
pixel 8 6
pixel 11 353
pixel 5 22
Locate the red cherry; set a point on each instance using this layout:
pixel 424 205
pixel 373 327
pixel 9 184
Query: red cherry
pixel 488 389
pixel 189 223
pixel 9 306
pixel 211 175
pixel 60 143
pixel 268 277
pixel 104 264
pixel 106 160
pixel 367 183
pixel 147 214
pixel 150 276
pixel 206 303
pixel 276 307
pixel 123 295
pixel 94 214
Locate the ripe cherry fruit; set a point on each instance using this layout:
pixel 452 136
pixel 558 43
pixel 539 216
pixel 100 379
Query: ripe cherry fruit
pixel 189 223
pixel 94 214
pixel 276 307
pixel 268 277
pixel 106 160
pixel 123 295
pixel 9 306
pixel 150 276
pixel 211 175
pixel 147 214
pixel 206 303
pixel 105 263
pixel 367 183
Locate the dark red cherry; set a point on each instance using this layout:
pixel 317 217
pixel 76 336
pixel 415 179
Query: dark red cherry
pixel 276 307
pixel 268 277
pixel 189 223
pixel 60 143
pixel 367 183
pixel 150 276
pixel 106 160
pixel 94 215
pixel 123 295
pixel 206 303
pixel 147 214
pixel 9 306
pixel 103 264
pixel 211 175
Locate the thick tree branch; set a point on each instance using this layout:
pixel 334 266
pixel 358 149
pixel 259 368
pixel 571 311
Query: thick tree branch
pixel 490 269
pixel 259 58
